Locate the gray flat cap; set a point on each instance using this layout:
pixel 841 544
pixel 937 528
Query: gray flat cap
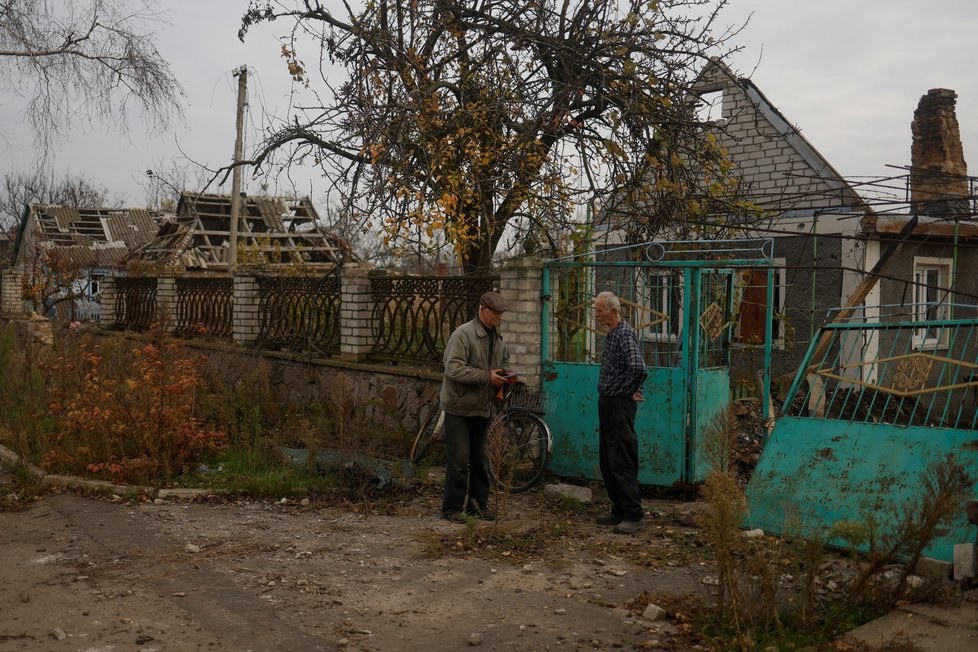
pixel 493 301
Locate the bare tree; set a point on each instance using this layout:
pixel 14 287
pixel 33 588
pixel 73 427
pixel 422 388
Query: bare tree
pixel 41 185
pixel 85 59
pixel 460 119
pixel 168 178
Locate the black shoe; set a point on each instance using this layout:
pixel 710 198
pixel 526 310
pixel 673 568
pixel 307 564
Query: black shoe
pixel 482 514
pixel 455 517
pixel 609 519
pixel 628 527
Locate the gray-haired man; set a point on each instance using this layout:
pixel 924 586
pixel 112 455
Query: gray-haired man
pixel 619 392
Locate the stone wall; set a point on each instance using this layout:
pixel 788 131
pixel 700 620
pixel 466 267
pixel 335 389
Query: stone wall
pixel 385 397
pixel 365 400
pixel 385 393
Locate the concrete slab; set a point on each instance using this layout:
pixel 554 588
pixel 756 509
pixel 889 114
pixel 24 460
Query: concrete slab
pixel 930 628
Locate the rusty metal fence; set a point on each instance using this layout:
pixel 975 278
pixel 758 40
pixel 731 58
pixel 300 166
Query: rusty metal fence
pixel 204 306
pixel 881 413
pixel 413 316
pixel 135 302
pixel 410 321
pixel 300 313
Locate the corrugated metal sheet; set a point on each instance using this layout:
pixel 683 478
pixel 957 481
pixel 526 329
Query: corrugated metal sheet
pixel 134 226
pixel 103 255
pixel 271 209
pixel 63 216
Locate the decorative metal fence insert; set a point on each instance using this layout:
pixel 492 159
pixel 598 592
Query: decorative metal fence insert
pixel 413 316
pixel 300 313
pixel 890 370
pixel 204 306
pixel 135 302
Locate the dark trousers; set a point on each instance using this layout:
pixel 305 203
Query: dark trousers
pixel 618 455
pixel 466 474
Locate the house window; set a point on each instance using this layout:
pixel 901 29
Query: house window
pixel 658 315
pixel 932 282
pixel 95 284
pixel 751 299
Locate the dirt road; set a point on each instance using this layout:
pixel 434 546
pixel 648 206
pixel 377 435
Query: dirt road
pixel 101 574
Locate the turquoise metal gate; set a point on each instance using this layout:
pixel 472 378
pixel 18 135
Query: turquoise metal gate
pixel 681 297
pixel 879 400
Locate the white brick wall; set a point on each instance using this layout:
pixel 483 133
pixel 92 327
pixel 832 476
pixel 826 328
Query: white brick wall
pixel 356 307
pixel 166 302
pixel 767 160
pixel 10 292
pixel 107 295
pixel 244 312
pixel 521 283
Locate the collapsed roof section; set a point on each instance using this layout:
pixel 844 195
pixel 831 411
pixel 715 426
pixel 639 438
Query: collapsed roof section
pixel 86 237
pixel 271 230
pixel 786 172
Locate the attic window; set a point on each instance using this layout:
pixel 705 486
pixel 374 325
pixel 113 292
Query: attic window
pixel 709 108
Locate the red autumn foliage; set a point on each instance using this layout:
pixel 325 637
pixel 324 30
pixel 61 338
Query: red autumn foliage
pixel 136 425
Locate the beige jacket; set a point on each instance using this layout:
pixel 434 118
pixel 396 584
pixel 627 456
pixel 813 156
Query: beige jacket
pixel 465 389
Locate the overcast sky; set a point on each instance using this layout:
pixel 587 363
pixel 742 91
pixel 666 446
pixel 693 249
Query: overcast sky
pixel 848 73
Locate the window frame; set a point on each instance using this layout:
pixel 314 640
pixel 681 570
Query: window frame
pixel 922 265
pixel 668 331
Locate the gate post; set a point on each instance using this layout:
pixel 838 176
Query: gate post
pixel 521 283
pixel 166 302
pixel 356 313
pixel 245 299
pixel 106 301
pixel 11 301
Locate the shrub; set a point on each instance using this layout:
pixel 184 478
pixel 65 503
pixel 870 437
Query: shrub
pixel 133 421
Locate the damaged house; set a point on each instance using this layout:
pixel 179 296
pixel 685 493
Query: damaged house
pixel 63 252
pixel 903 242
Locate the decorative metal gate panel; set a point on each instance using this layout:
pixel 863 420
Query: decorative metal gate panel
pixel 679 296
pixel 879 401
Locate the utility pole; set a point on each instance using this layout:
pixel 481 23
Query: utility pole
pixel 242 75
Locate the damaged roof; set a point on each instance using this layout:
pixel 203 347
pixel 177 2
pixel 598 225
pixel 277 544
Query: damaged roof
pixel 87 237
pixel 717 76
pixel 272 230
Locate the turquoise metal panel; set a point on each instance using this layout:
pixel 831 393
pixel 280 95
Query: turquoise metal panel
pixel 659 423
pixel 711 400
pixel 815 473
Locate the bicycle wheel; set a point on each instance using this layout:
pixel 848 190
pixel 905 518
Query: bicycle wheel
pixel 518 449
pixel 429 431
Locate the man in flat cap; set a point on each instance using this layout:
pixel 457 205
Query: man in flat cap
pixel 475 358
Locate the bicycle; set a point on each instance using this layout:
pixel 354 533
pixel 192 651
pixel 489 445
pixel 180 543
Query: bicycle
pixel 519 443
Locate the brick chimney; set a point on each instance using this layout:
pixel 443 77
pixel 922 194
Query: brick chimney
pixel 938 178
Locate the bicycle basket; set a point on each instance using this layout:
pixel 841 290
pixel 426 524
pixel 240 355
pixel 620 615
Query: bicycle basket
pixel 531 399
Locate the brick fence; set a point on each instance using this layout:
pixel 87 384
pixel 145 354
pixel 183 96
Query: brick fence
pixel 520 281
